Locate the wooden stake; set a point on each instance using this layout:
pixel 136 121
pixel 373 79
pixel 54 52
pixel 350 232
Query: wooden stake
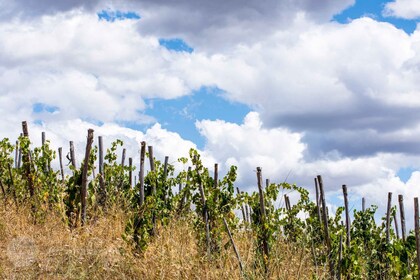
pixel 394 216
pixel 263 219
pixel 60 158
pixel 205 215
pixel 363 204
pixel 325 221
pixel 20 155
pixel 402 215
pixel 242 206
pixel 152 166
pixel 346 205
pixel 216 176
pixel 123 158
pixel 130 172
pixel 388 217
pixel 28 164
pixel 152 169
pixel 83 193
pixel 72 156
pixel 318 201
pixel 141 172
pixel 238 256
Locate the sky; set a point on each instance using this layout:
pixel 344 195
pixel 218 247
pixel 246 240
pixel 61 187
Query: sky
pixel 300 88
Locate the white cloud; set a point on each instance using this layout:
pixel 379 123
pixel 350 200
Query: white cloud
pixel 87 68
pixel 249 145
pixel 408 9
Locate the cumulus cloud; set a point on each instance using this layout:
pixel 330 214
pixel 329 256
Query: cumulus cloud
pixel 206 25
pixel 331 81
pixel 280 153
pixel 219 25
pixel 250 145
pixel 86 68
pixel 407 9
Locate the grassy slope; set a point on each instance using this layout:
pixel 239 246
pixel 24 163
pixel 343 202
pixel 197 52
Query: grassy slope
pixel 49 250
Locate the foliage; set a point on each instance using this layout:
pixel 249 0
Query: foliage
pixel 193 194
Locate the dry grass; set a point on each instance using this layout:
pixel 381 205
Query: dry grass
pixel 49 250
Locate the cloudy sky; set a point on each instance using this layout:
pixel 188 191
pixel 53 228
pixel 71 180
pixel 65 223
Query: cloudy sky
pixel 299 88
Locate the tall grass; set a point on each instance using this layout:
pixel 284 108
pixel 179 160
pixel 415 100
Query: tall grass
pixel 50 250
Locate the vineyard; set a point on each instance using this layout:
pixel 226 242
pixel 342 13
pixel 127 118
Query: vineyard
pixel 107 218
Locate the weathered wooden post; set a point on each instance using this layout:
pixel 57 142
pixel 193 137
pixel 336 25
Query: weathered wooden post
pixel 83 193
pixel 60 158
pixel 263 219
pixel 402 215
pixel 130 172
pixel 238 256
pixel 141 171
pixel 318 206
pixel 325 221
pixel 346 205
pixel 388 217
pixel 28 164
pixel 72 156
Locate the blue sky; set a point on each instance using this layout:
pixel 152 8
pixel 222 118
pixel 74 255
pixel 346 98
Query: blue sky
pixel 374 9
pixel 304 87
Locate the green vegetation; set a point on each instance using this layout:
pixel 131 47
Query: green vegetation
pixel 202 204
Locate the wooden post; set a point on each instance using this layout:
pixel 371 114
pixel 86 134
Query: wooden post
pixel 72 156
pixel 263 219
pixel 165 168
pixel 388 216
pixel 396 225
pixel 83 192
pixel 141 172
pixel 317 200
pixel 152 169
pixel 417 232
pixel 248 214
pixel 205 215
pixel 325 221
pixel 27 163
pixel 242 205
pixel 346 205
pixel 60 158
pixel 402 215
pixel 165 175
pixel 130 172
pixel 287 203
pixel 184 196
pixel 123 157
pixel 238 256
pixel 363 204
pixel 152 166
pixel 216 176
pixel 340 255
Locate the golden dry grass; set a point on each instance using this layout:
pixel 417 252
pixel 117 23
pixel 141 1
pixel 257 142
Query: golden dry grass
pixel 49 250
